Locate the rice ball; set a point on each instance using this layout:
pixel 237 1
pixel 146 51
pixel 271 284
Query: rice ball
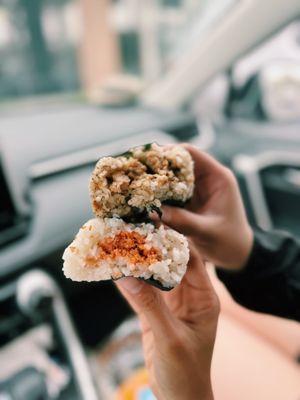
pixel 140 180
pixel 110 248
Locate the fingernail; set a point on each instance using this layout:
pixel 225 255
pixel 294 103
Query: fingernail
pixel 154 216
pixel 132 285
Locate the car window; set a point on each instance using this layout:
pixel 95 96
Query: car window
pixel 54 47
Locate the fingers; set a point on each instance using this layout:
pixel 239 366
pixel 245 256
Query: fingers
pixel 148 303
pixel 194 301
pixel 202 295
pixel 197 271
pixel 182 220
pixel 204 163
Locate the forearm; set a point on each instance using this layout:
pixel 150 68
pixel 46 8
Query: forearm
pixel 270 281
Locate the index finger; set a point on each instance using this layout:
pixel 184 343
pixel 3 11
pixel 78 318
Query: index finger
pixel 204 163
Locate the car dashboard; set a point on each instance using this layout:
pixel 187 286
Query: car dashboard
pixel 46 158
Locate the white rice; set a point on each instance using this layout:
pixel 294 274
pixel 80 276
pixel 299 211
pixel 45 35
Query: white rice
pixel 168 270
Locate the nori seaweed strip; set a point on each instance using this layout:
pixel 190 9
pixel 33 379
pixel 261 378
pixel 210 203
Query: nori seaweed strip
pixel 126 154
pixel 147 146
pixel 150 281
pixel 175 170
pixel 155 283
pixel 157 210
pixel 129 153
pixel 175 203
pixel 137 216
pixel 149 170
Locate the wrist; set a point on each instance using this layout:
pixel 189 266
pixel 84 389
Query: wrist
pixel 240 250
pixel 244 250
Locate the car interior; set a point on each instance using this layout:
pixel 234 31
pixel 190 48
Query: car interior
pixel 234 97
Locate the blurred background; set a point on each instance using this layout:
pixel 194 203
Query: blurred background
pixel 81 79
pixel 55 47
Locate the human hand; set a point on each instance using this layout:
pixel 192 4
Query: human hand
pixel 215 217
pixel 178 332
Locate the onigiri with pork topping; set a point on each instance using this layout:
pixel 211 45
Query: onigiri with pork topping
pixel 110 248
pixel 140 180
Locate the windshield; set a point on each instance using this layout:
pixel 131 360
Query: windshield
pixel 99 49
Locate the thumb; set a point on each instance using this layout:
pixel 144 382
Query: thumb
pixel 148 303
pixel 182 220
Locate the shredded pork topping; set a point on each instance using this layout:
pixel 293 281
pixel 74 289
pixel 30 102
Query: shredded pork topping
pixel 144 178
pixel 129 245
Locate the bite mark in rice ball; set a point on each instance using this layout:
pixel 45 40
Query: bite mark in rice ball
pixel 110 248
pixel 135 183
